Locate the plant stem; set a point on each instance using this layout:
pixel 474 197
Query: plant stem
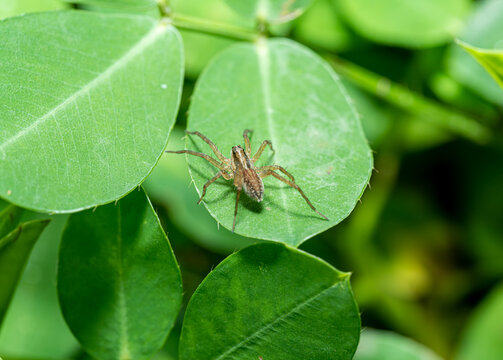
pixel 411 102
pixel 212 28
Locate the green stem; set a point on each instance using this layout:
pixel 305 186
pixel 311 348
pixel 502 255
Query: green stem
pixel 411 102
pixel 212 28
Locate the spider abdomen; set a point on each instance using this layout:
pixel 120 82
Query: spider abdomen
pixel 253 185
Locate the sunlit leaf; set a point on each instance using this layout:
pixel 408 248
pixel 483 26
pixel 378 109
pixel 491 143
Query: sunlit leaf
pixel 380 345
pixel 132 290
pixel 482 339
pixel 484 30
pixel 87 104
pixel 273 302
pixel 15 248
pixel 286 94
pixel 414 24
pixel 491 60
pixel 270 10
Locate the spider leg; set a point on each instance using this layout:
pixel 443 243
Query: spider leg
pixel 211 181
pixel 265 173
pixel 236 208
pixel 204 156
pixel 261 149
pixel 210 143
pixel 247 141
pixel 277 167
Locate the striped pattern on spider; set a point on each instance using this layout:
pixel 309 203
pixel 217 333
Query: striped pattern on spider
pixel 241 167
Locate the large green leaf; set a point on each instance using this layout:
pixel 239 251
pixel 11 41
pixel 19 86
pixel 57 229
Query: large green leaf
pixel 169 184
pixel 118 281
pixel 491 60
pixel 87 104
pixel 269 10
pixel 15 248
pixel 482 338
pixel 407 23
pixel 287 94
pixel 273 302
pixel 380 345
pixel 484 30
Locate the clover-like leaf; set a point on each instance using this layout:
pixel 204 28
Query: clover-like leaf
pixel 287 94
pixel 15 248
pixel 87 103
pixel 414 24
pixel 271 301
pixel 130 291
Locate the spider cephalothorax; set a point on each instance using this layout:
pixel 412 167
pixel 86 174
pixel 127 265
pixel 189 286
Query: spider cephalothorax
pixel 241 167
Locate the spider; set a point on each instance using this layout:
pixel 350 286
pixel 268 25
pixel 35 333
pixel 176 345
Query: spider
pixel 241 167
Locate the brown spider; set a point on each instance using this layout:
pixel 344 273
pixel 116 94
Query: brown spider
pixel 241 167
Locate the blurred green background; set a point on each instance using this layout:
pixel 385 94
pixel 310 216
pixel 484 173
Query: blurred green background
pixel 425 245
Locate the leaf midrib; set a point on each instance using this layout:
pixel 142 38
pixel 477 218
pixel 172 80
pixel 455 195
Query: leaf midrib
pixel 262 50
pixel 135 50
pixel 259 333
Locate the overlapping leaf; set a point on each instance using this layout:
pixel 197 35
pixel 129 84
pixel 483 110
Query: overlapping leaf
pixel 130 287
pixel 87 104
pixel 15 248
pixel 270 301
pixel 287 94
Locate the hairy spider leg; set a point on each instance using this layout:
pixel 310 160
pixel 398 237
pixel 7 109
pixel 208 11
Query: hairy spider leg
pixel 211 144
pixel 247 141
pixel 211 181
pixel 277 167
pixel 261 150
pixel 236 208
pixel 204 156
pixel 265 173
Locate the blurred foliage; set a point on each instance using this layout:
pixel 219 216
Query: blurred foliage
pixel 425 245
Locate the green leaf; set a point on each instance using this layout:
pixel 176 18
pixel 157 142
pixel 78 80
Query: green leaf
pixel 34 327
pixel 484 30
pixel 275 302
pixel 482 339
pixel 169 184
pixel 379 345
pixel 286 94
pixel 9 218
pixel 18 7
pixel 491 60
pixel 88 101
pixel 414 24
pixel 118 281
pixel 270 10
pixel 15 248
